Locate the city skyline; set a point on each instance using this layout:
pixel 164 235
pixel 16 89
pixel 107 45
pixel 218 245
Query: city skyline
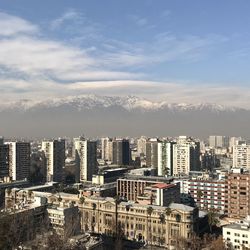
pixel 157 51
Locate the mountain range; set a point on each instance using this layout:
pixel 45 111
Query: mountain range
pixel 94 115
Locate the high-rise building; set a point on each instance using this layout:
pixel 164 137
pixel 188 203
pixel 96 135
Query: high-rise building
pixel 186 156
pixel 141 145
pixel 86 159
pixel 241 155
pixel 4 160
pixel 19 160
pixel 121 152
pixel 106 145
pixel 165 158
pixel 218 141
pixel 54 153
pixel 152 153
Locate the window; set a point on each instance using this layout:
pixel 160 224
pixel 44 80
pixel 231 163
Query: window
pixel 228 233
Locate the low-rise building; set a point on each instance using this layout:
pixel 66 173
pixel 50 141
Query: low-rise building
pixel 237 235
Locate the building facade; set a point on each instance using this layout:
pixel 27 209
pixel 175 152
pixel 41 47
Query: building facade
pixel 86 158
pixel 19 160
pixel 54 159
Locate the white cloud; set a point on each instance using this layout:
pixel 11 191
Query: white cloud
pixel 34 67
pixel 12 25
pixel 67 16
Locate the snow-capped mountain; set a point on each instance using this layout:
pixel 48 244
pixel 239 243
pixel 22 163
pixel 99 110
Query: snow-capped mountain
pixel 129 103
pixel 119 116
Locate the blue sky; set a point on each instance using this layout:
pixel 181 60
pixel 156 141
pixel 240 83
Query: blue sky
pixel 180 51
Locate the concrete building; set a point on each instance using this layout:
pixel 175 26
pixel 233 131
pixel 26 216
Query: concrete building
pixel 65 221
pixel 106 147
pixel 150 224
pixel 54 158
pixel 19 160
pixel 165 158
pixel 241 155
pixel 238 194
pixel 108 176
pixel 160 194
pixel 4 161
pixel 237 235
pixel 218 141
pixel 152 153
pixel 186 156
pixel 208 193
pixel 121 152
pixel 86 159
pixel 132 186
pixel 141 145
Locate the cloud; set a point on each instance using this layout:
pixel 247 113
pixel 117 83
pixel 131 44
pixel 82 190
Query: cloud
pixel 70 15
pixel 35 67
pixel 12 25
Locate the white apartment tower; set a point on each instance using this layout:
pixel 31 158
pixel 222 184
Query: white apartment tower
pixel 141 145
pixel 106 144
pixel 165 158
pixel 241 155
pixel 186 156
pixel 19 160
pixel 54 153
pixel 86 159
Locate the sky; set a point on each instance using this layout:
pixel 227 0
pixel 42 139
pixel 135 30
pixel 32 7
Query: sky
pixel 178 51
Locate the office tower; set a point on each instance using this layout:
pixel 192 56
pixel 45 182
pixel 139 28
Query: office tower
pixel 106 145
pixel 86 159
pixel 121 152
pixel 218 141
pixel 152 153
pixel 165 158
pixel 19 160
pixel 141 145
pixel 4 160
pixel 241 155
pixel 186 156
pixel 54 153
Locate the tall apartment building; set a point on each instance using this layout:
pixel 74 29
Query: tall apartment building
pixel 186 156
pixel 208 193
pixel 238 194
pixel 86 158
pixel 218 141
pixel 152 153
pixel 165 158
pixel 54 154
pixel 4 160
pixel 121 152
pixel 141 145
pixel 106 145
pixel 19 160
pixel 241 155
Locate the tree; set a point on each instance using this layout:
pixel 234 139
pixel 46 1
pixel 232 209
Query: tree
pixel 149 213
pixel 218 244
pixel 212 219
pixel 168 212
pixel 81 200
pixel 162 220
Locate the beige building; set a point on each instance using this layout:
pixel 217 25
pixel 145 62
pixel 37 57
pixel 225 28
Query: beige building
pixel 152 224
pixel 238 196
